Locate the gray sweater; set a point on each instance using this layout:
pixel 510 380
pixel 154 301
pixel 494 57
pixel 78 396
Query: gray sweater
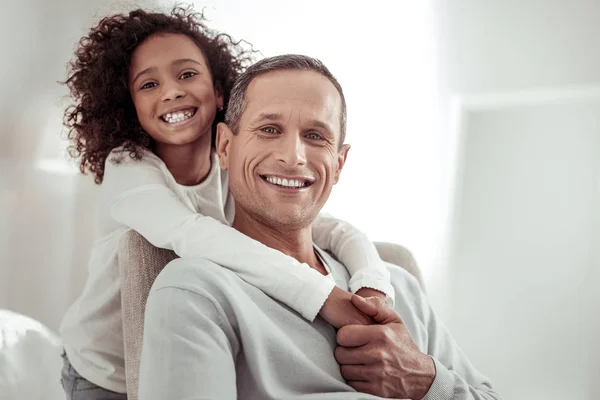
pixel 210 335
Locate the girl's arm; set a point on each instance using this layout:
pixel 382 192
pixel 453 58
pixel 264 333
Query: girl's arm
pixel 356 252
pixel 137 196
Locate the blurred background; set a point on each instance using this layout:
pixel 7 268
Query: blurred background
pixel 475 132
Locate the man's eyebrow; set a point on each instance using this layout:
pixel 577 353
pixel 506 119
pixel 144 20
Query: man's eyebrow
pixel 320 124
pixel 268 117
pixel 326 129
pixel 176 62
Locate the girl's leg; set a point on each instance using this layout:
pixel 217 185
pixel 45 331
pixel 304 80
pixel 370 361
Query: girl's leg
pixel 78 388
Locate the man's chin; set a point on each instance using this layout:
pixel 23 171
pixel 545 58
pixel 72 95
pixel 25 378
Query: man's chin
pixel 291 218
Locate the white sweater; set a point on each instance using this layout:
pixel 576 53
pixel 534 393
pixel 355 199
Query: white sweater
pixel 210 335
pixel 194 221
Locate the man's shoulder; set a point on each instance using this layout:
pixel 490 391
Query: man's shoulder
pixel 411 302
pixel 402 277
pixel 197 275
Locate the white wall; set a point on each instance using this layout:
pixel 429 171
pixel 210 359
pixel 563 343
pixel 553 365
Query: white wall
pixel 522 93
pixel 525 248
pixel 491 46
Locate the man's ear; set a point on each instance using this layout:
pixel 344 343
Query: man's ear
pixel 341 160
pixel 223 144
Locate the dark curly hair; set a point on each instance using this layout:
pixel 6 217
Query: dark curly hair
pixel 103 116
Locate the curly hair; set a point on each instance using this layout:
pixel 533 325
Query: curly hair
pixel 103 115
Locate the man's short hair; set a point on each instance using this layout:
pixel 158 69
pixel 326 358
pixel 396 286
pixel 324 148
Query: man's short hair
pixel 237 99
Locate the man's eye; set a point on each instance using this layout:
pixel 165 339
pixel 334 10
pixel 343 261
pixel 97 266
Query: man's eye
pixel 314 136
pixel 187 75
pixel 148 85
pixel 269 129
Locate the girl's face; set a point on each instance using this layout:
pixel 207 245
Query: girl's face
pixel 172 89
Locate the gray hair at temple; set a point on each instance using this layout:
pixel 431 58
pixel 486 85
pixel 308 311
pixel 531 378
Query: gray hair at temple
pixel 237 99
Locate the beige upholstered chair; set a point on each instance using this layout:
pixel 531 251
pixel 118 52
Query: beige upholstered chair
pixel 140 263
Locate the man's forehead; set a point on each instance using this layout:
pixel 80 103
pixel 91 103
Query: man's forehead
pixel 264 100
pixel 308 90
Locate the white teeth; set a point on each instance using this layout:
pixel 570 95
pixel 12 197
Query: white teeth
pixel 178 116
pixel 293 183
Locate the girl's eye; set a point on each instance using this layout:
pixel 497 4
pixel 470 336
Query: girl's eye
pixel 148 85
pixel 314 136
pixel 187 75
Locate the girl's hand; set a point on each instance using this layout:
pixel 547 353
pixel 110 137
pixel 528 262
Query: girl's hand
pixel 339 310
pixel 368 292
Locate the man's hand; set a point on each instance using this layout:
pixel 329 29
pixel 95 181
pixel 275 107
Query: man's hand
pixel 383 360
pixel 339 310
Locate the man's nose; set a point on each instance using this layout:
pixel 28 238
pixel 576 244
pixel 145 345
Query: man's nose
pixel 291 150
pixel 172 90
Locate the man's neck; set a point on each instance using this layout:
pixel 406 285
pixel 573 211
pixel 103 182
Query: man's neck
pixel 189 164
pixel 296 243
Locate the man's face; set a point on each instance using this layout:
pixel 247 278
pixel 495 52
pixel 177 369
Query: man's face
pixel 287 154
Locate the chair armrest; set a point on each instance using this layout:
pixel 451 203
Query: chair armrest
pixel 402 257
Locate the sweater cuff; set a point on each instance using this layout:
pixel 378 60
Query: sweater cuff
pixel 373 280
pixel 317 290
pixel 442 387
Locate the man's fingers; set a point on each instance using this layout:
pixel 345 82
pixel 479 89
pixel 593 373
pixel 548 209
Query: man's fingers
pixel 354 355
pixel 355 372
pixel 376 309
pixel 368 305
pixel 354 335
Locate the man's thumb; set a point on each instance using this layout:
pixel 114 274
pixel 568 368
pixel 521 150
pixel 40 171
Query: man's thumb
pixel 375 308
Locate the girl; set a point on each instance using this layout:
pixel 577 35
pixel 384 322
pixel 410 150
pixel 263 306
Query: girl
pixel 149 89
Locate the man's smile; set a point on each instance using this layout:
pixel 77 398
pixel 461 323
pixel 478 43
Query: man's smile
pixel 287 183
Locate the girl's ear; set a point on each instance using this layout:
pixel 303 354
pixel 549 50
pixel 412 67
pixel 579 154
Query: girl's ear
pixel 223 143
pixel 219 96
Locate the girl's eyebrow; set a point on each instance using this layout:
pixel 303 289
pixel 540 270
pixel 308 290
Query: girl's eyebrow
pixel 176 62
pixel 146 71
pixel 186 60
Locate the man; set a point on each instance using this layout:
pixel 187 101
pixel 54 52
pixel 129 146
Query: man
pixel 210 335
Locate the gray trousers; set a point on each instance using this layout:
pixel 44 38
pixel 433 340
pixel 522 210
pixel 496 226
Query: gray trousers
pixel 78 388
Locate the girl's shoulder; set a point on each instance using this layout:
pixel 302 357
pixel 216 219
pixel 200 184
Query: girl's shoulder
pixel 123 169
pixel 121 155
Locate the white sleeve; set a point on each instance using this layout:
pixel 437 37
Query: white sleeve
pixel 189 349
pixel 356 252
pixel 138 197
